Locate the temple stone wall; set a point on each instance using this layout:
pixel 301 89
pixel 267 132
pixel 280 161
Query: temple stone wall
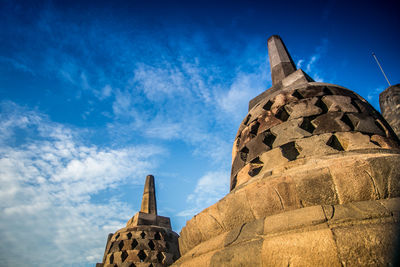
pixel 389 101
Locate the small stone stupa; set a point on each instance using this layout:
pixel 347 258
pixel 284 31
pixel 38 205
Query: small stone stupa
pixel 315 181
pixel 146 241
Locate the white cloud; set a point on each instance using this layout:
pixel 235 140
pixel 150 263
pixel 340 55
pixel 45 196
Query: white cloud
pixel 311 64
pixel 209 189
pixel 50 215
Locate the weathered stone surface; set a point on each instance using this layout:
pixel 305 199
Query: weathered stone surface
pixel 384 142
pixel 354 140
pixel 364 123
pixel 294 219
pixel 367 245
pixel 389 101
pixel 311 248
pixel 339 103
pixel 272 159
pixel 244 254
pixel 288 131
pixel 315 187
pixel 330 122
pixel 355 211
pixel 267 120
pixel 303 108
pixel 315 146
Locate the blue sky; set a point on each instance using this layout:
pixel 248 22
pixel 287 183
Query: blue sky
pixel 95 95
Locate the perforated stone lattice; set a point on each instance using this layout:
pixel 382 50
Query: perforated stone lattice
pixel 312 110
pixel 154 247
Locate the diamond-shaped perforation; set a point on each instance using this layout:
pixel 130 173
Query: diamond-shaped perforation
pixel 142 235
pixel 121 245
pixel 307 125
pixel 134 244
pixel 290 151
pixel 129 235
pixel 124 255
pixel 142 255
pixel 160 257
pixel 117 236
pixel 268 105
pixel 282 114
pixel 112 259
pixel 297 95
pixel 151 245
pixel 157 236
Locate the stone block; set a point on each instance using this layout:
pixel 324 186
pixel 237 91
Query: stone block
pixel 267 120
pixel 234 209
pixel 352 182
pixel 338 103
pixel 245 232
pixel 315 187
pixel 303 108
pixel 190 236
pixel 354 140
pixel 310 248
pixel 364 123
pixel 313 90
pixel 207 224
pixel 244 254
pixel 238 163
pixel 385 172
pixel 355 211
pixel 367 245
pixel 330 122
pixel 243 175
pixel 384 142
pixel 315 146
pixel 336 90
pixel 281 100
pixel 294 219
pixel 272 159
pixel 288 131
pixel 256 147
pixel 215 243
pixel 201 260
pixel 264 199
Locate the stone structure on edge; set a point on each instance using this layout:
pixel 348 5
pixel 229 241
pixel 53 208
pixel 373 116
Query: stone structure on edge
pixel 389 100
pixel 146 241
pixel 315 181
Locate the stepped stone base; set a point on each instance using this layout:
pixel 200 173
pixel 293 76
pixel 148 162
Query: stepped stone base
pixel 361 233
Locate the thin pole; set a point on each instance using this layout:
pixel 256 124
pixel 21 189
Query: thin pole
pixel 373 54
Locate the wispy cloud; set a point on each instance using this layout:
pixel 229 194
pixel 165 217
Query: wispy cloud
pixel 311 64
pixel 49 179
pixel 209 189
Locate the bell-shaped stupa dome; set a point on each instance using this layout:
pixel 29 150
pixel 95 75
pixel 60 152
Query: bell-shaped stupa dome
pixel 315 180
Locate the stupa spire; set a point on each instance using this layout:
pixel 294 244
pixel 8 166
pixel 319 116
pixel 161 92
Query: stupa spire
pixel 149 204
pixel 280 61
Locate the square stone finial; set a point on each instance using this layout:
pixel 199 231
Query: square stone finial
pixel 280 61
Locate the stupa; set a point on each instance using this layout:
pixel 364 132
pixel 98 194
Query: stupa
pixel 146 241
pixel 315 181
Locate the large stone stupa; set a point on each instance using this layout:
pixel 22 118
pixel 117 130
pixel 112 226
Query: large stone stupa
pixel 315 181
